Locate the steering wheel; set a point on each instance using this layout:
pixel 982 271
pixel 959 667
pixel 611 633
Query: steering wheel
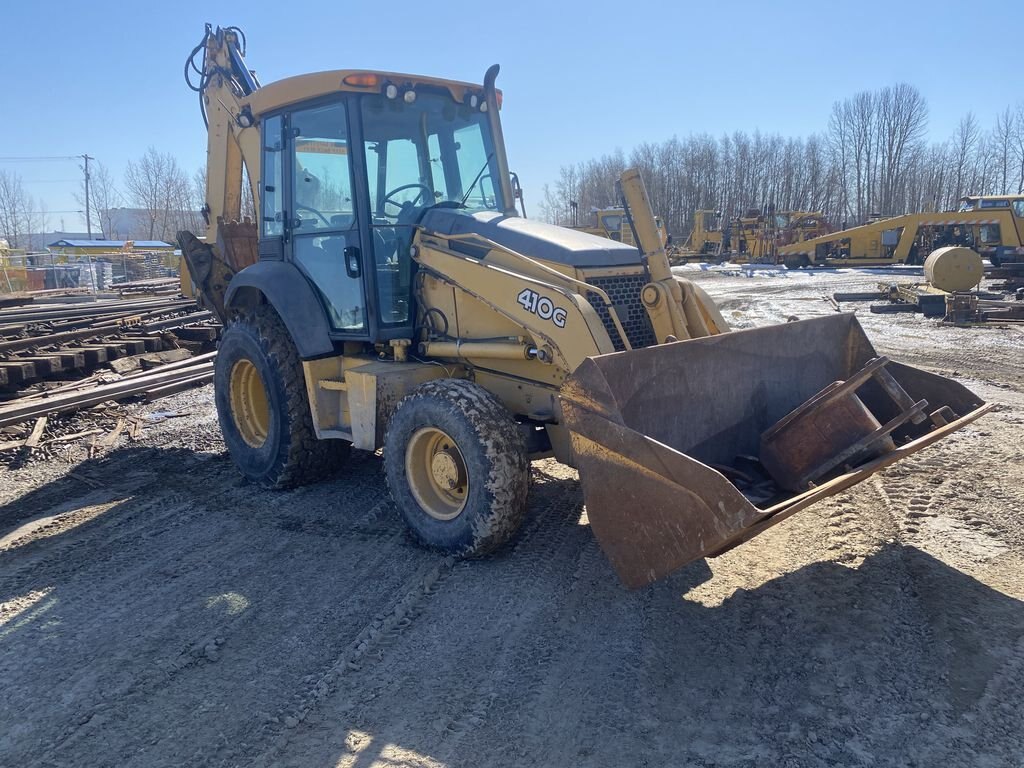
pixel 314 211
pixel 425 194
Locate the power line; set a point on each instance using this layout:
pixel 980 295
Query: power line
pixel 37 158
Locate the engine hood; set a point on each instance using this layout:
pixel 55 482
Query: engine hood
pixel 532 238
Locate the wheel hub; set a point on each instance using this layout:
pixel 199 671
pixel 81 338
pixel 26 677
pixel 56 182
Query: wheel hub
pixel 446 470
pixel 436 473
pixel 250 407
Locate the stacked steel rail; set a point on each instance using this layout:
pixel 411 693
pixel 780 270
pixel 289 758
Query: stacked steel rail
pixel 60 354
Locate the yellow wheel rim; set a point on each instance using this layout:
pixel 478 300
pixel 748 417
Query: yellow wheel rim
pixel 436 473
pixel 249 406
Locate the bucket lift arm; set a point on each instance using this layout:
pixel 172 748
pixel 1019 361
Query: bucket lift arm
pixel 224 82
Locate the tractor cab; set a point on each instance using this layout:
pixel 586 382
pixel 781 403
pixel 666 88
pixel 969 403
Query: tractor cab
pixel 346 177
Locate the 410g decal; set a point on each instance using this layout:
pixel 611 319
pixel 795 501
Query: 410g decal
pixel 542 307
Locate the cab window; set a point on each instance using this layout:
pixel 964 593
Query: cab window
pixel 321 177
pixel 272 191
pixel 428 152
pixel 1018 209
pixel 323 222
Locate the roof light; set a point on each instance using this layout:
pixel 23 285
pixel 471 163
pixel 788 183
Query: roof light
pixel 409 96
pixel 391 91
pixel 472 100
pixel 483 105
pixel 362 80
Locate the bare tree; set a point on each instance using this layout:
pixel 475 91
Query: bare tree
pixel 17 219
pixel 157 184
pixel 902 120
pixel 1002 147
pixel 1018 146
pixel 146 181
pixel 965 142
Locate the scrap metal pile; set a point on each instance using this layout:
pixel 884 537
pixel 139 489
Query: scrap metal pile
pixel 62 353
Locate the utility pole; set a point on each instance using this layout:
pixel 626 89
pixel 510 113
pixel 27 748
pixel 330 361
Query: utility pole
pixel 88 217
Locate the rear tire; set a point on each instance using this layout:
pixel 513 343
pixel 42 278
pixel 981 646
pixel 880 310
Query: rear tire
pixel 264 413
pixel 457 467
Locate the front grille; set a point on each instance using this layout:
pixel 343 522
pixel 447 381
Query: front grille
pixel 624 292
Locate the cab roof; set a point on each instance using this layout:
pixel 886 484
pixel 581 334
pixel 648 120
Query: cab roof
pixel 302 88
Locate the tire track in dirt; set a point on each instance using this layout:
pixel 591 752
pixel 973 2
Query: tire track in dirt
pixel 95 555
pixel 442 630
pixel 924 496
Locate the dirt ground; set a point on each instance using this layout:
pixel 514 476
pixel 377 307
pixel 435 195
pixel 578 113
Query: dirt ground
pixel 156 610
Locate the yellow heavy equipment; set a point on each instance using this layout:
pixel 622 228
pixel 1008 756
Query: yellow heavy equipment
pixel 991 225
pixel 614 224
pixel 390 298
pixel 754 238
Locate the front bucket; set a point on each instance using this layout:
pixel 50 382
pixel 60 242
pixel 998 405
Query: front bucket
pixel 668 439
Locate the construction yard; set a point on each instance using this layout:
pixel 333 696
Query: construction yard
pixel 155 609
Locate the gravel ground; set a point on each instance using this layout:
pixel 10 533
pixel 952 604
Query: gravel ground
pixel 157 610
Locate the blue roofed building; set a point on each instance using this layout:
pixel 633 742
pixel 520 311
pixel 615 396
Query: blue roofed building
pixel 75 247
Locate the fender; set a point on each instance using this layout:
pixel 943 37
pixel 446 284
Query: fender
pixel 287 290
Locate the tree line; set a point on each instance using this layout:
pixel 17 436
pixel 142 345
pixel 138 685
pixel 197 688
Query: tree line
pixel 873 158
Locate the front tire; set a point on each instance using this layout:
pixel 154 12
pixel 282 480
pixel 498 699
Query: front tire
pixel 264 414
pixel 457 467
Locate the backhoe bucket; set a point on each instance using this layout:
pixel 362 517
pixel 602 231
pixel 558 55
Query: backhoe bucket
pixel 688 449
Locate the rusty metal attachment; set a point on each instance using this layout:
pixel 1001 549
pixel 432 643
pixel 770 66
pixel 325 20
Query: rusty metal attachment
pixel 211 268
pixel 667 439
pixel 835 427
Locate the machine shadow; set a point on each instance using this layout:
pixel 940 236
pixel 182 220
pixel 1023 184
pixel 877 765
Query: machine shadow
pixel 825 665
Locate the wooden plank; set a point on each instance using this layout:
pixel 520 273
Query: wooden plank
pixel 108 440
pixel 46 365
pixel 126 364
pixel 75 436
pixel 197 332
pixel 149 343
pixel 17 371
pixel 37 433
pixel 94 355
pixel 133 346
pixel 71 358
pixel 114 351
pixel 160 359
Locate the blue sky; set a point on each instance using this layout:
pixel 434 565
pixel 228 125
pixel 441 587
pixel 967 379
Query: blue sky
pixel 580 79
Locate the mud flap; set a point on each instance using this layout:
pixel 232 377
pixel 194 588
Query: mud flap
pixel 656 431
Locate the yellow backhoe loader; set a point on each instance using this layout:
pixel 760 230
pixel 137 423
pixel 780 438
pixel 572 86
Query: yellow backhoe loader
pixel 389 297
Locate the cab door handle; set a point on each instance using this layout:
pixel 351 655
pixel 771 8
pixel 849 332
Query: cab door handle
pixel 353 261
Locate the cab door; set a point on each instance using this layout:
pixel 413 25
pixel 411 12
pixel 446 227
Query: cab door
pixel 322 233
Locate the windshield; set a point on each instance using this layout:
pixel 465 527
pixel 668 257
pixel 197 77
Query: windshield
pixel 432 151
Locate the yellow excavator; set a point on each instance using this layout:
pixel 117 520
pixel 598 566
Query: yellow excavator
pixel 390 298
